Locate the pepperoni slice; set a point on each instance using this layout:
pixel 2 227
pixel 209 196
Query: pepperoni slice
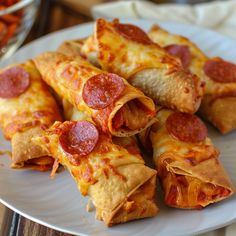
pixel 133 33
pixel 181 52
pixel 13 82
pixel 186 127
pixel 102 90
pixel 79 138
pixel 220 71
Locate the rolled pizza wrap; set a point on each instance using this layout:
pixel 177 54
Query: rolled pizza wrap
pixel 187 162
pixel 219 102
pixel 120 186
pixel 71 48
pixel 116 106
pixel 144 64
pixel 220 110
pixel 26 106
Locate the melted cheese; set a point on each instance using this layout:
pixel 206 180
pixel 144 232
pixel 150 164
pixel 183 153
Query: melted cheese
pixel 111 175
pixel 34 107
pixel 126 57
pixel 164 38
pixel 147 66
pixel 104 160
pixel 175 159
pixel 69 79
pixel 164 143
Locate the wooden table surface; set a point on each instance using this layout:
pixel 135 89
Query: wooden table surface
pixel 12 224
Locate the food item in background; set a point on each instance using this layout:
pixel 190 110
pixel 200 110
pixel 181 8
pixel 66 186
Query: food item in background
pixel 219 102
pixel 8 22
pixel 71 48
pixel 182 47
pixel 127 50
pixel 187 162
pixel 26 106
pixel 111 172
pixel 116 106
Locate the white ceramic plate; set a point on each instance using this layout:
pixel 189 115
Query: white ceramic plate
pixel 58 204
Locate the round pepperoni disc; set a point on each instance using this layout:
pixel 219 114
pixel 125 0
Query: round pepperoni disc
pixel 220 71
pixel 79 138
pixel 181 52
pixel 13 82
pixel 186 127
pixel 134 33
pixel 102 90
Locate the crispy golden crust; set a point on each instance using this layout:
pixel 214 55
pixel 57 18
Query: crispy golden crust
pixel 71 47
pixel 198 59
pixel 111 175
pixel 175 90
pixel 139 205
pixel 72 113
pixel 221 113
pixel 22 117
pixel 67 76
pixel 146 66
pixel 34 107
pixel 190 173
pixel 165 38
pixel 23 149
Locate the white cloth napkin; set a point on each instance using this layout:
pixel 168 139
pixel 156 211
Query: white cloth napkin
pixel 218 15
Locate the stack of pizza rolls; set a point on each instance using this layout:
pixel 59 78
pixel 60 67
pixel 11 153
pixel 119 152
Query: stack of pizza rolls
pixel 144 64
pixel 107 85
pixel 218 105
pixel 26 106
pixel 117 108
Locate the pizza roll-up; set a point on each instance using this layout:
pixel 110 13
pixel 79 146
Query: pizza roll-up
pixel 71 48
pixel 111 101
pixel 26 106
pixel 128 51
pixel 115 177
pixel 219 102
pixel 187 162
pixel 129 143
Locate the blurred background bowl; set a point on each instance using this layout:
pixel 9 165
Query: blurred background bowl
pixel 16 20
